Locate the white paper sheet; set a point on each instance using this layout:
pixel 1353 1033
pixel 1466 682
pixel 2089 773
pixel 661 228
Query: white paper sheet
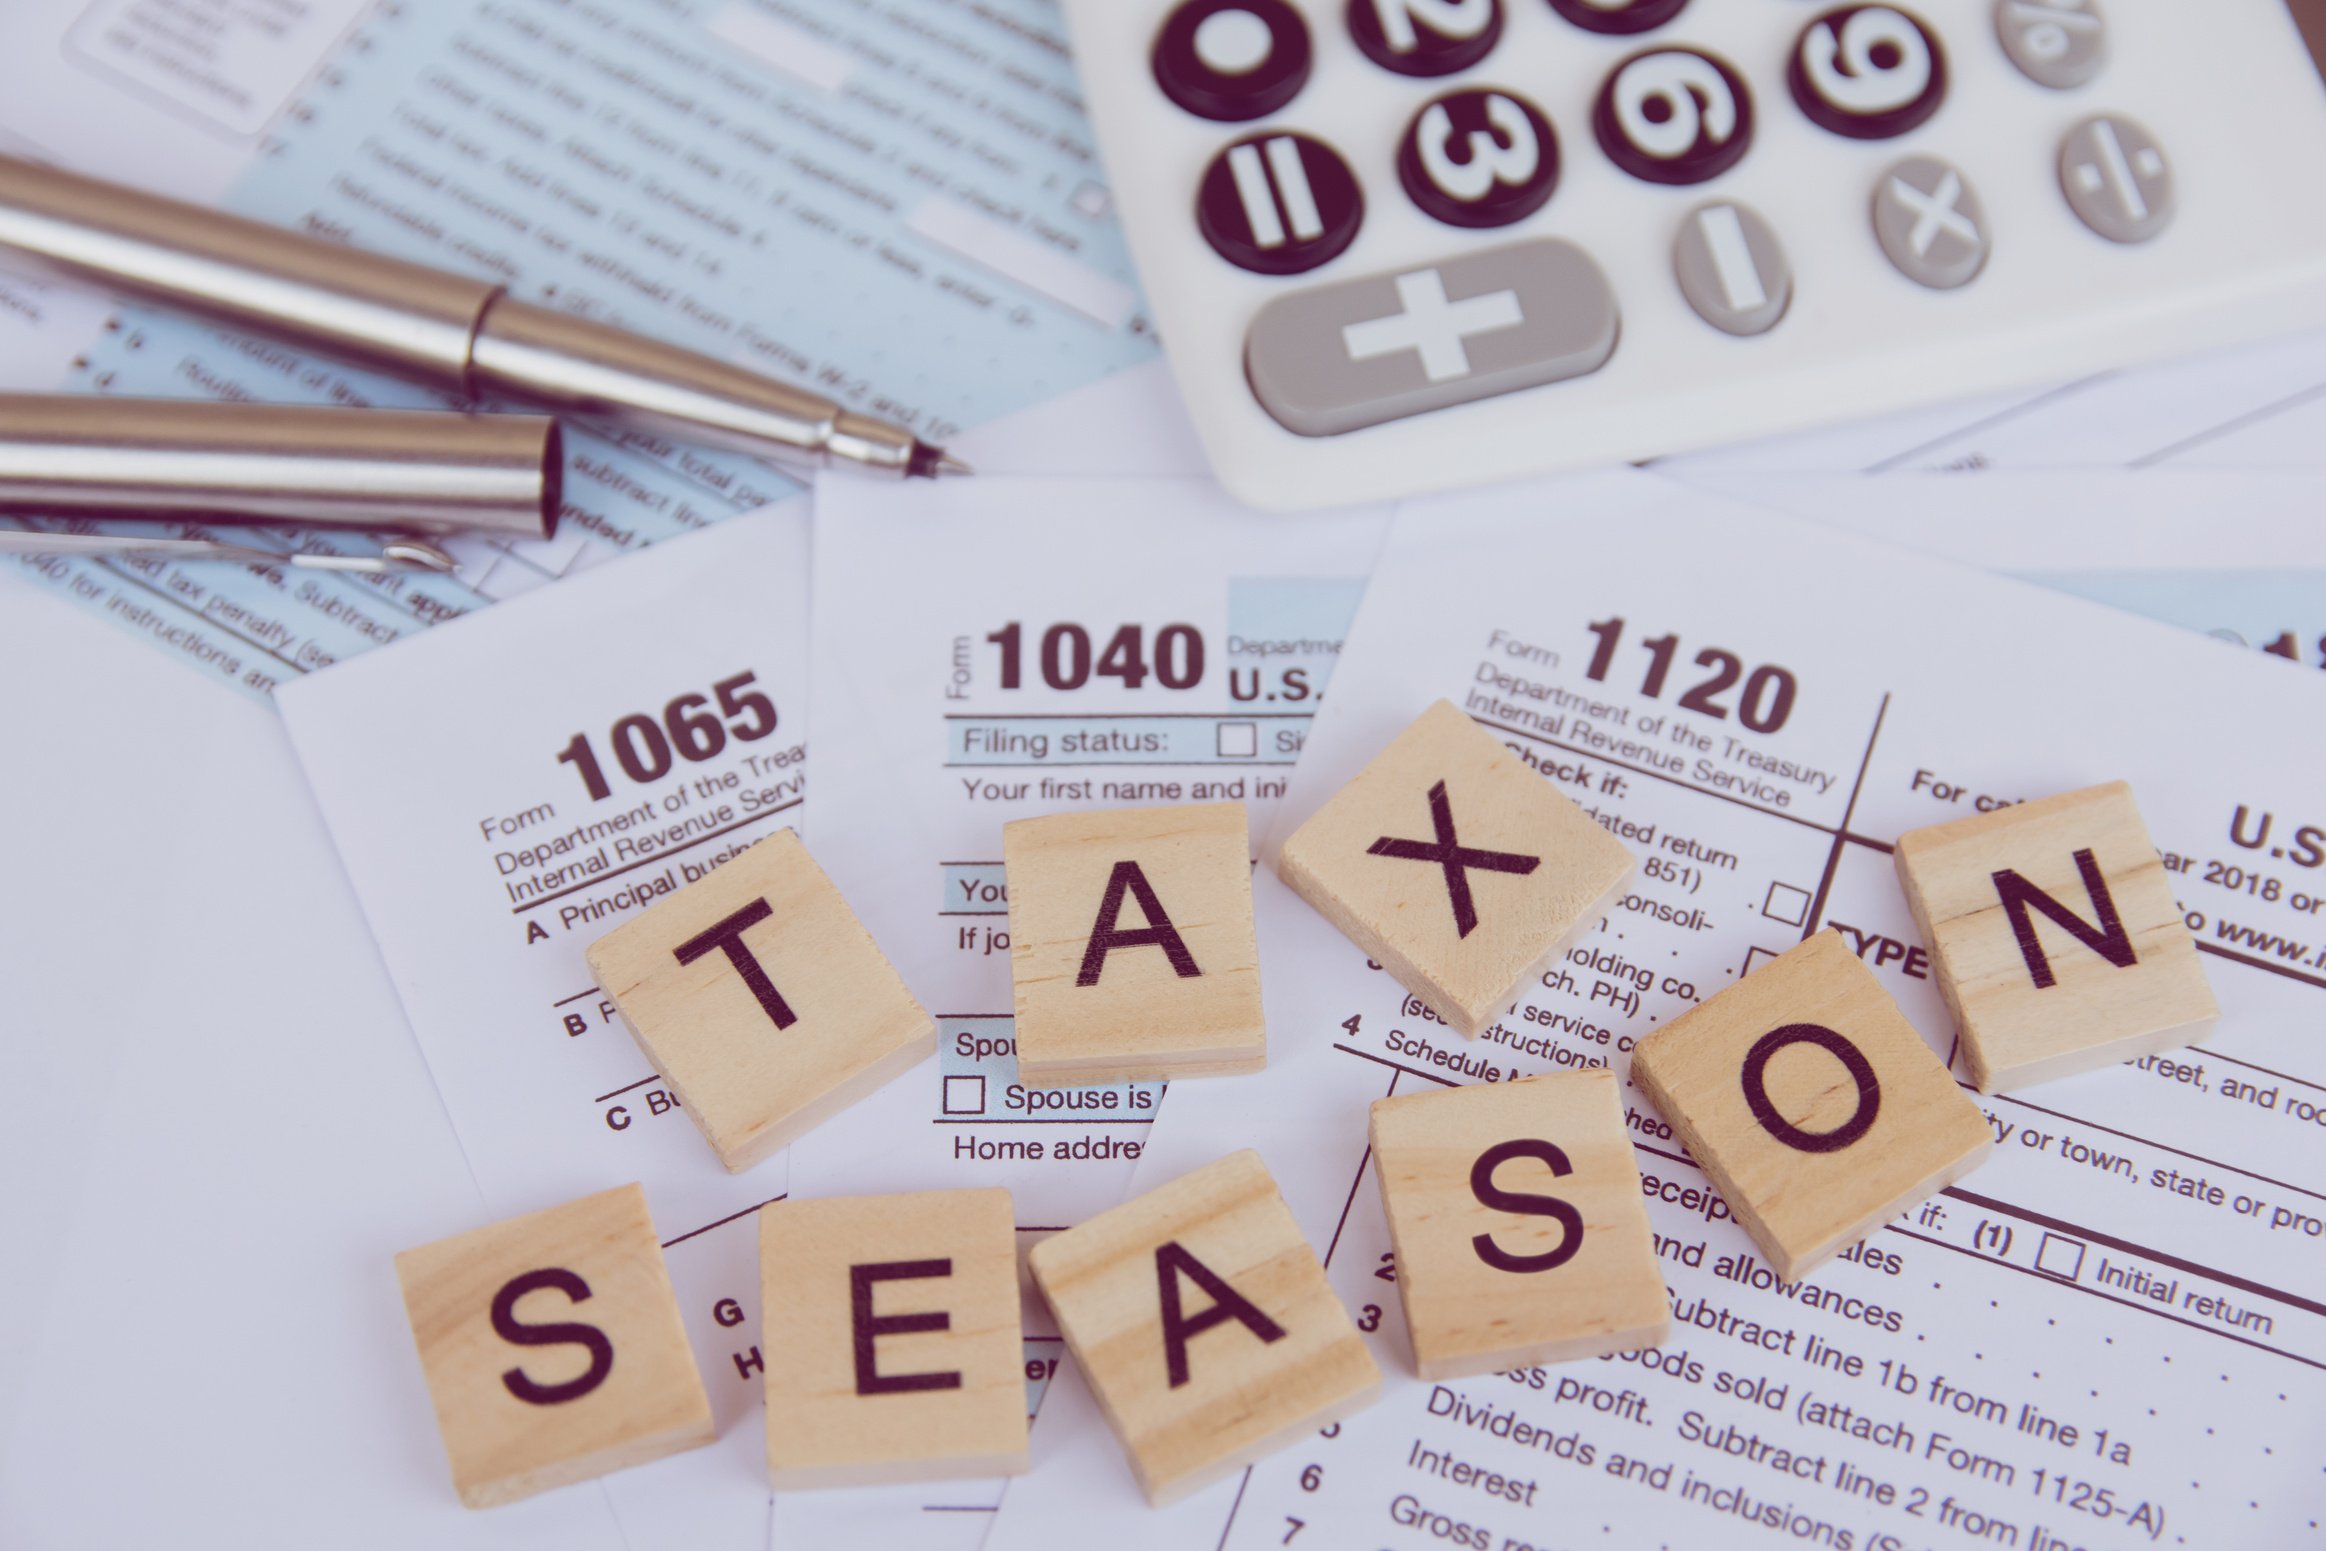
pixel 222 1136
pixel 2236 553
pixel 2088 1277
pixel 1228 625
pixel 2253 406
pixel 453 776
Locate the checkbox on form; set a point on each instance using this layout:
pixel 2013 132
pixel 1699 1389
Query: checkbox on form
pixel 1786 904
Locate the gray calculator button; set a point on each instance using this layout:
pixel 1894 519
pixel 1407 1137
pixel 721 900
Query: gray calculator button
pixel 2055 43
pixel 2117 179
pixel 1732 269
pixel 1340 357
pixel 1930 222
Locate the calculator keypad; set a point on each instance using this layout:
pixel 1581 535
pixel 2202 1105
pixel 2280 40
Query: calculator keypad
pixel 1232 60
pixel 1339 357
pixel 1674 115
pixel 1333 358
pixel 1280 204
pixel 1426 37
pixel 1929 221
pixel 1479 158
pixel 1871 72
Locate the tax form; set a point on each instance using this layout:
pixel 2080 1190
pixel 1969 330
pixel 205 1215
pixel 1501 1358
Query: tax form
pixel 505 792
pixel 1052 644
pixel 892 202
pixel 2110 1335
pixel 2236 553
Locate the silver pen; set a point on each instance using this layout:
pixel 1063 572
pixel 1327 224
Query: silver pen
pixel 454 334
pixel 196 460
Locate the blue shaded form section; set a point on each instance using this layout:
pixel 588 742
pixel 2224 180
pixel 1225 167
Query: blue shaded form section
pixel 974 889
pixel 2284 611
pixel 893 202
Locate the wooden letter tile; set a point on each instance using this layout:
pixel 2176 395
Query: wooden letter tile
pixel 1812 1103
pixel 553 1348
pixel 1131 947
pixel 1204 1325
pixel 1521 1234
pixel 1454 866
pixel 893 1340
pixel 2057 941
pixel 761 1000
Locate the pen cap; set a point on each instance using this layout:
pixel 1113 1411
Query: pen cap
pixel 375 469
pixel 380 312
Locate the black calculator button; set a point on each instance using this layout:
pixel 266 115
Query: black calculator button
pixel 1426 37
pixel 1279 204
pixel 1674 115
pixel 1232 60
pixel 1619 15
pixel 1479 157
pixel 1871 72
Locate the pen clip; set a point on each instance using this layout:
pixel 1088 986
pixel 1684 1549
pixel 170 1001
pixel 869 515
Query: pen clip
pixel 397 555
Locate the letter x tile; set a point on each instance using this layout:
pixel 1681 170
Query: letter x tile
pixel 761 1000
pixel 2057 941
pixel 1131 948
pixel 1454 866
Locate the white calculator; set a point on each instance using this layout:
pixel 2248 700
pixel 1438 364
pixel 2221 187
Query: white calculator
pixel 1401 245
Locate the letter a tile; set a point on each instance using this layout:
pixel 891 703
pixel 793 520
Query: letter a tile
pixel 1521 1234
pixel 1455 866
pixel 1131 947
pixel 762 1000
pixel 1812 1104
pixel 553 1348
pixel 1204 1325
pixel 2057 941
pixel 893 1343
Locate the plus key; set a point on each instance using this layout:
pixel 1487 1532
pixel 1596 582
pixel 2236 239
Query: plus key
pixel 1432 327
pixel 1356 353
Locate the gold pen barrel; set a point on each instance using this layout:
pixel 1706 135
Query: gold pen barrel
pixel 407 319
pixel 374 469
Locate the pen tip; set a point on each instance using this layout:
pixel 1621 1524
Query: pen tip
pixel 928 462
pixel 412 554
